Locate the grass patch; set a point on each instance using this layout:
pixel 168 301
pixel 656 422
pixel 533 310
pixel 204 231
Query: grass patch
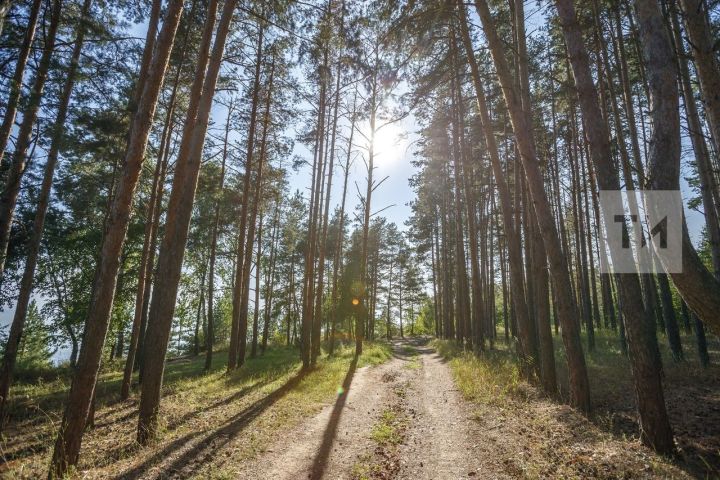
pixel 363 469
pixel 491 378
pixel 557 442
pixel 388 429
pixel 212 422
pixel 414 362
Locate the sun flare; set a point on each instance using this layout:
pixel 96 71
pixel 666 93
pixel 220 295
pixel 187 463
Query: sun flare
pixel 389 142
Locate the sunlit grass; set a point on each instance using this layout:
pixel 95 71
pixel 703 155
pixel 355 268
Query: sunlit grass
pixel 489 378
pixel 193 403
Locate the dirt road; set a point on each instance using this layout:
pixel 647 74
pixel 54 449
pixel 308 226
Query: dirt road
pixel 403 419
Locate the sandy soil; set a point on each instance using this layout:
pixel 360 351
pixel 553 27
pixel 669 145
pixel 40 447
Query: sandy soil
pixel 436 432
pixel 440 435
pixel 327 445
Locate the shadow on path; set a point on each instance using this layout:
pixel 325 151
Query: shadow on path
pixel 320 462
pixel 196 455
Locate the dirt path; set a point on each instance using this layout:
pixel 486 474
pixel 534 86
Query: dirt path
pixel 431 434
pixel 440 437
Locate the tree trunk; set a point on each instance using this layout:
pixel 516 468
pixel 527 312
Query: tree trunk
pixel 704 52
pixel 341 233
pixel 19 160
pixel 708 185
pixel 210 335
pixel 461 277
pixel 698 287
pixel 26 283
pixel 655 427
pixel 270 277
pixel 180 206
pixel 67 447
pixel 237 290
pixel 315 351
pixel 15 83
pixel 256 313
pixel 252 221
pixel 567 308
pixel 514 247
pixel 152 220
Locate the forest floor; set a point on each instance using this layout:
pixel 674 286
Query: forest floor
pixel 414 409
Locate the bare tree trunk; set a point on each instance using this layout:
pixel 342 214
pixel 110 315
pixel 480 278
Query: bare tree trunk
pixel 26 283
pixel 698 287
pixel 180 205
pixel 317 317
pixel 67 447
pixel 461 277
pixel 210 336
pixel 147 259
pixel 15 84
pixel 567 308
pixel 19 160
pixel 270 277
pixel 337 260
pixel 198 317
pixel 514 248
pixel 237 290
pixel 4 9
pixel 256 313
pixel 361 314
pixel 252 221
pixel 708 185
pixel 655 428
pixel 704 52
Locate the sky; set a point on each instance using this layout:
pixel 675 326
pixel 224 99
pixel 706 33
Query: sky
pixel 394 152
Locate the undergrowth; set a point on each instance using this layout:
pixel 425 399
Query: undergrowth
pixel 195 406
pixel 491 378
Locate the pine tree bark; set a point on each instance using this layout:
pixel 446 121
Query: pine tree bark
pixel 339 241
pixel 210 335
pixel 252 223
pixel 270 276
pixel 152 220
pixel 655 428
pixel 242 228
pixel 698 287
pixel 704 52
pixel 19 160
pixel 315 352
pixel 15 84
pixel 256 312
pixel 26 283
pixel 514 248
pixel 362 313
pixel 177 224
pixel 567 308
pixel 67 447
pixel 708 185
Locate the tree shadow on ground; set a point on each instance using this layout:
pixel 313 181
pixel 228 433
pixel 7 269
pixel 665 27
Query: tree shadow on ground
pixel 692 399
pixel 320 461
pixel 185 465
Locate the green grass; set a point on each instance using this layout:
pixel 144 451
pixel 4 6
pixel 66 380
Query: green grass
pixel 414 362
pixel 557 442
pixel 490 378
pixel 194 405
pixel 387 431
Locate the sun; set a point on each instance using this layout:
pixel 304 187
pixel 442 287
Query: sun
pixel 389 142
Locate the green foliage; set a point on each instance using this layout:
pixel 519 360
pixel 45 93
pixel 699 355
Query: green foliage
pixel 34 353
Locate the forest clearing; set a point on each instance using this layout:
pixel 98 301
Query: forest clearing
pixel 413 239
